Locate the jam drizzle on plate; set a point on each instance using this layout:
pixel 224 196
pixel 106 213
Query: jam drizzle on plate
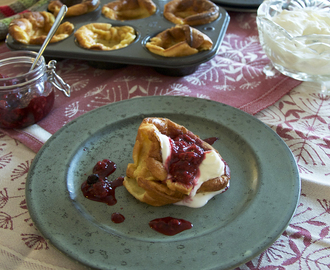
pixel 97 187
pixel 170 226
pixel 211 140
pixel 117 217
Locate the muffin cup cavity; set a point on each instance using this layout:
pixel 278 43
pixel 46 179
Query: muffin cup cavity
pixel 75 8
pixel 33 27
pixel 179 41
pixel 129 10
pixel 104 36
pixel 191 12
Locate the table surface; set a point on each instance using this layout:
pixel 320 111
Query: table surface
pixel 301 118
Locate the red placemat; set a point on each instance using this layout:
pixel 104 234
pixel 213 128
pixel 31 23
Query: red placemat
pixel 234 77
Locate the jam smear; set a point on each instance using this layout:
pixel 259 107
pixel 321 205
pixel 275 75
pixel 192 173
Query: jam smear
pixel 211 140
pixel 169 225
pixel 104 168
pixel 187 154
pixel 117 217
pixel 97 187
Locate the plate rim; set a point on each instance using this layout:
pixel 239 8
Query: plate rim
pixel 297 180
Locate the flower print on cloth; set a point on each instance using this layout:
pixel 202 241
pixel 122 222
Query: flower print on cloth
pixel 302 120
pixel 304 244
pixel 35 241
pixel 234 77
pixel 21 170
pixel 5 159
pixel 16 225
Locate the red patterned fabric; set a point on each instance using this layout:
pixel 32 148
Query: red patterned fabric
pixel 7 11
pixel 234 77
pixel 301 117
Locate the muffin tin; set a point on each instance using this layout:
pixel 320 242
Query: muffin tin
pixel 239 4
pixel 136 53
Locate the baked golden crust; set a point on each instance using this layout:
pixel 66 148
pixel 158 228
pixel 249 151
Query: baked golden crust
pixel 191 12
pixel 147 178
pixel 84 7
pixel 180 40
pixel 104 36
pixel 33 27
pixel 122 10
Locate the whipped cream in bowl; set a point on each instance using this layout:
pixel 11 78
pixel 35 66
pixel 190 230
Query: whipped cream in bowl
pixel 295 35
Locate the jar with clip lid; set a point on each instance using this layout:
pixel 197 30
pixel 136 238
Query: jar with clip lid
pixel 27 96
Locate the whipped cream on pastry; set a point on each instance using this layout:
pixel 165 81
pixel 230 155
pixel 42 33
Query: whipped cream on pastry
pixel 211 167
pixel 172 165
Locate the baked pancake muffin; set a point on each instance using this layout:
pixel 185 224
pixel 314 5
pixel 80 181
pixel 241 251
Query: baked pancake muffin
pixel 173 165
pixel 191 12
pixel 33 27
pixel 104 36
pixel 123 10
pixel 180 40
pixel 77 9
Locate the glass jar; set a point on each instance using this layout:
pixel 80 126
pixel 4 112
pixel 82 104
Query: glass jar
pixel 26 96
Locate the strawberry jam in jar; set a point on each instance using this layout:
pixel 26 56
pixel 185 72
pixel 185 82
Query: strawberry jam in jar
pixel 26 96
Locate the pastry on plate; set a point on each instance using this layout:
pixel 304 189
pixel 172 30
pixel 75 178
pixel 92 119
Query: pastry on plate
pixel 104 36
pixel 180 40
pixel 33 27
pixel 77 9
pixel 122 10
pixel 173 165
pixel 191 12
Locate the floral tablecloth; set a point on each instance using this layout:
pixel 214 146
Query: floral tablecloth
pixel 296 112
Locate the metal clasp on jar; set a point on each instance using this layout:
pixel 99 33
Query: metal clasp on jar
pixel 56 80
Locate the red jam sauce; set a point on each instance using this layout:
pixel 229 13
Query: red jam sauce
pixel 186 156
pixel 117 218
pixel 104 168
pixel 13 116
pixel 169 225
pixel 97 187
pixel 211 140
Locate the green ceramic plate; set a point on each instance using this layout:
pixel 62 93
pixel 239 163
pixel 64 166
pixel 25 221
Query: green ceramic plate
pixel 231 229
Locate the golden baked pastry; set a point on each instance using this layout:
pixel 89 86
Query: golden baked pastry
pixel 157 182
pixel 85 6
pixel 191 12
pixel 122 10
pixel 104 36
pixel 180 40
pixel 33 27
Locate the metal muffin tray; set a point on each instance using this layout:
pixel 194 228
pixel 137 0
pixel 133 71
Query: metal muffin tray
pixel 136 53
pixel 239 3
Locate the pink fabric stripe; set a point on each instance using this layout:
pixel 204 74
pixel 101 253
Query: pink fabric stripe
pixel 7 11
pixel 27 139
pixel 269 96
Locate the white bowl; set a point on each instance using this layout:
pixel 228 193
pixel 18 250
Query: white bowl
pixel 297 48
